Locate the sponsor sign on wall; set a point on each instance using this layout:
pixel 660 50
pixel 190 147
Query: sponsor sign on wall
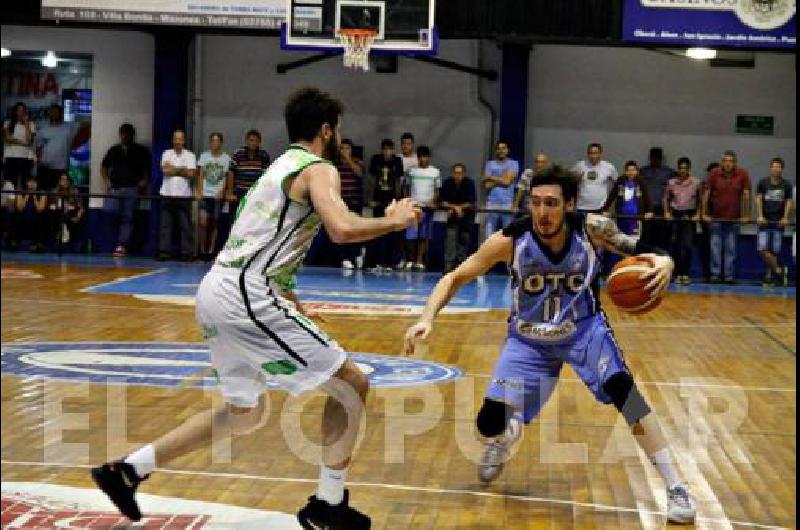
pixel 266 14
pixel 711 23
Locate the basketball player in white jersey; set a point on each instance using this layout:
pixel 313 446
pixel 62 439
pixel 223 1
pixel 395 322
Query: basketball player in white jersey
pixel 257 337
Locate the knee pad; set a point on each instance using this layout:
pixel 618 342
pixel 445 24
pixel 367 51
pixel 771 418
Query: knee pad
pixel 626 397
pixel 493 417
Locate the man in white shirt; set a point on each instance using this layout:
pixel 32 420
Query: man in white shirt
pixel 596 179
pixel 422 183
pixel 178 166
pixel 407 153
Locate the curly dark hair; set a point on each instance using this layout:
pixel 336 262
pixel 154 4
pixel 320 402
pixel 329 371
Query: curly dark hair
pixel 557 175
pixel 306 111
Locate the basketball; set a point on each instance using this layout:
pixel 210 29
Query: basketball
pixel 627 290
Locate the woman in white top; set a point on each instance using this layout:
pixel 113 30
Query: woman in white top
pixel 213 168
pixel 18 136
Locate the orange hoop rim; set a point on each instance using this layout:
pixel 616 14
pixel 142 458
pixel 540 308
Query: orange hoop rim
pixel 358 32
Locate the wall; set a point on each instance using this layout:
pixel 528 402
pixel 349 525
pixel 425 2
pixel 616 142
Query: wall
pixel 122 81
pixel 632 99
pixel 240 90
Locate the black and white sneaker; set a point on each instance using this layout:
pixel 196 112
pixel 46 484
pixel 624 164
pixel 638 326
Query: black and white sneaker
pixel 319 515
pixel 119 481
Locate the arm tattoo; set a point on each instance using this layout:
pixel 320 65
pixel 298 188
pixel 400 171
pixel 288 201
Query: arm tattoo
pixel 604 232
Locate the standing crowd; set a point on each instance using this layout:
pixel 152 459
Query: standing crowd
pixel 662 205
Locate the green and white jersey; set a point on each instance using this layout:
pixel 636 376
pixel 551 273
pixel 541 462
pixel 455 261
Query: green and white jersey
pixel 272 233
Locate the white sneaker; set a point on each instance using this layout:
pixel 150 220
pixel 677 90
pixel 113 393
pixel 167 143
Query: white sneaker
pixel 681 508
pixel 419 267
pixel 496 451
pixel 347 264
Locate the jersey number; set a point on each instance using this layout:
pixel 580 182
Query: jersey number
pixel 552 306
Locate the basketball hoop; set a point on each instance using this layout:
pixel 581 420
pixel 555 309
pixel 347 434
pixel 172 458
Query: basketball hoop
pixel 356 44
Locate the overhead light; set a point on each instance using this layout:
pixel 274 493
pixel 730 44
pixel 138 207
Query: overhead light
pixel 50 60
pixel 701 53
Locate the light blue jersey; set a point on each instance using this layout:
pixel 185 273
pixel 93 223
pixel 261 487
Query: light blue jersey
pixel 555 319
pixel 552 294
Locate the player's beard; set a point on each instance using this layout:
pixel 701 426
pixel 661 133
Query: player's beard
pixel 550 235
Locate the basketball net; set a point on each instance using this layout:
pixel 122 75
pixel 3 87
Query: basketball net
pixel 356 44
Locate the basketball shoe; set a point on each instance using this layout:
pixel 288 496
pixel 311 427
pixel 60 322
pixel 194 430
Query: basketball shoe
pixel 319 515
pixel 119 481
pixel 495 452
pixel 680 505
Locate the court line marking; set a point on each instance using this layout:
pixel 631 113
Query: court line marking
pixel 770 336
pixel 403 487
pixel 470 322
pixel 92 288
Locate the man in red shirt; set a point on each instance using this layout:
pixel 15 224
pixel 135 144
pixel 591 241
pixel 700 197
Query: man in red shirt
pixel 726 203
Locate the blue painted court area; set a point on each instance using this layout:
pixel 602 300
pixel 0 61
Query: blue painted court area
pixel 168 364
pixel 177 282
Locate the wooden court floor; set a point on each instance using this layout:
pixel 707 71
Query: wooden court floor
pixel 719 369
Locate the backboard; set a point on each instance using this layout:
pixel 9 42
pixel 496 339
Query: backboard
pixel 403 26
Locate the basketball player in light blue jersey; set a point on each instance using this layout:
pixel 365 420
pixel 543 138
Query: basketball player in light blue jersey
pixel 554 258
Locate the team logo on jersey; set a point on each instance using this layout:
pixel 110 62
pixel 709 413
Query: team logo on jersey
pixel 537 283
pixel 170 364
pixel 34 505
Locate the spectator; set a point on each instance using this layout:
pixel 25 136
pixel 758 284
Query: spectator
pixel 125 170
pixel 19 133
pixel 596 178
pixel 459 197
pixel 407 152
pixel 67 212
pixel 247 166
pixel 705 228
pixel 423 185
pixel 351 171
pixel 680 205
pixel 31 215
pixel 773 209
pixel 386 171
pixel 498 179
pixel 656 176
pixel 726 203
pixel 179 167
pixel 212 171
pixel 53 146
pixel 629 201
pixel 9 208
pixel 540 162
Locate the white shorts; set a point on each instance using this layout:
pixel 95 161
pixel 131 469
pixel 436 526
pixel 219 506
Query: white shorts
pixel 257 339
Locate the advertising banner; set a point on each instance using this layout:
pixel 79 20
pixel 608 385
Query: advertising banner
pixel 263 14
pixel 711 23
